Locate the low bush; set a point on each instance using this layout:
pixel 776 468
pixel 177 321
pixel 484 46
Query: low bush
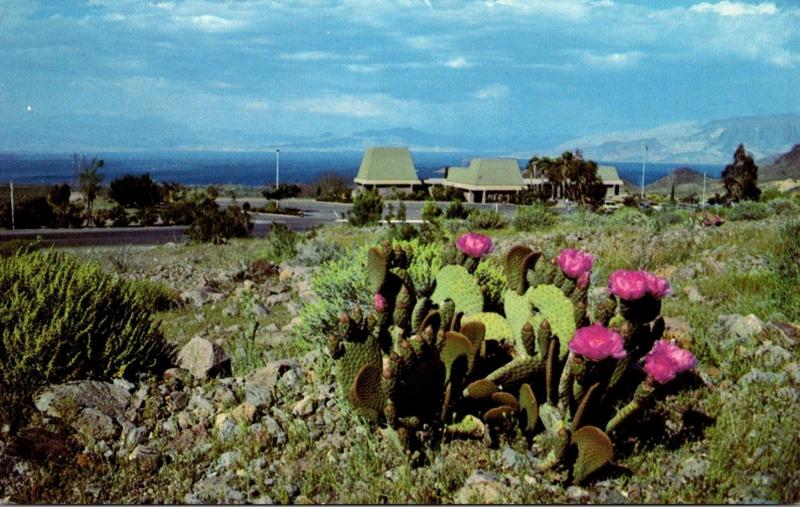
pixel 442 193
pixel 155 295
pixel 281 243
pixel 530 218
pixel 628 216
pixel 315 252
pixel 18 246
pixel 486 219
pixel 135 191
pixel 785 261
pixel 430 211
pixel 748 210
pixel 61 320
pixel 770 194
pixel 282 191
pixel 783 206
pixel 367 209
pixel 116 215
pixel 211 224
pixel 456 211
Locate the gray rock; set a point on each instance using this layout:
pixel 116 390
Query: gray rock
pixel 63 400
pixel 510 457
pixel 693 468
pixel 136 436
pixel 90 422
pixel 482 487
pixel 203 358
pixel 773 355
pixel 215 490
pixel 260 385
pixel 179 400
pixel 793 370
pixel 229 459
pixel 277 299
pixel 693 294
pixel 145 456
pixel 201 407
pixel 578 494
pixel 121 382
pixel 275 430
pixel 756 376
pixel 226 427
pixel 304 407
pixel 263 500
pixel 260 310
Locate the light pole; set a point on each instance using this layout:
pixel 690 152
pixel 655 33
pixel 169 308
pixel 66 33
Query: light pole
pixel 277 167
pixel 704 190
pixel 12 206
pixel 644 162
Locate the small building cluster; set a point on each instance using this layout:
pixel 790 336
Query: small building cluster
pixel 484 180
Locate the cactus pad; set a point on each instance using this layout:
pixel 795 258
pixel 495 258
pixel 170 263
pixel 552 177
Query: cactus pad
pixel 518 311
pixel 517 371
pixel 456 346
pixel 480 389
pixel 366 393
pixel 454 282
pixel 529 407
pixel 377 267
pixel 503 417
pixel 559 312
pixel 518 261
pixel 595 450
pixel 497 327
pixel 469 427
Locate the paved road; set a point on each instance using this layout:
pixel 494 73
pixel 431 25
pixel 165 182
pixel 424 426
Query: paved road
pixel 314 214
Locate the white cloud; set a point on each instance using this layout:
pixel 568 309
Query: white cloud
pixel 493 91
pixel 735 9
pixel 376 105
pixel 612 60
pixel 212 24
pixel 257 105
pixel 365 69
pixel 223 85
pixel 458 62
pixel 309 56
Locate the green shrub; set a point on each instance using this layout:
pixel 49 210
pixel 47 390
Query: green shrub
pixel 211 224
pixel 456 210
pixel 529 218
pixel 18 246
pixel 339 285
pixel 786 263
pixel 146 216
pixel 770 194
pixel 282 191
pixel 61 320
pixel 135 191
pixel 367 209
pixel 628 216
pixel 748 210
pixel 486 219
pixel 315 252
pixel 783 206
pixel 430 211
pixel 442 193
pixel 155 295
pixel 116 215
pixel 281 243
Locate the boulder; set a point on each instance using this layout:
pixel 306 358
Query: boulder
pixel 71 400
pixel 259 386
pixel 204 359
pixel 738 326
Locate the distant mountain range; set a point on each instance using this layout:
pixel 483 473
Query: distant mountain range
pixel 711 142
pixel 784 167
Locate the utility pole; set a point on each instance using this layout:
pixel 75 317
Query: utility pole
pixel 704 190
pixel 644 162
pixel 277 167
pixel 12 206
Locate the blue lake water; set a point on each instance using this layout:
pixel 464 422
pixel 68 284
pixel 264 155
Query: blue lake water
pixel 258 169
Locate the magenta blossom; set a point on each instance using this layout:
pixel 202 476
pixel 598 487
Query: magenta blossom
pixel 628 285
pixel 666 360
pixel 583 279
pixel 634 285
pixel 380 302
pixel 657 287
pixel 475 245
pixel 574 263
pixel 597 342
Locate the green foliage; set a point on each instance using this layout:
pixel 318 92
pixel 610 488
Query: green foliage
pixel 315 252
pixel 430 211
pixel 424 265
pixel 208 223
pixel 628 216
pixel 554 306
pixel 741 177
pixel 785 260
pixel 154 295
pixel 282 191
pixel 446 193
pixel 89 179
pixel 497 327
pixel 281 243
pixel 576 177
pixel 748 210
pixel 21 246
pixel 116 215
pixel 491 278
pixel 62 320
pixel 486 219
pixel 456 210
pixel 332 186
pixel 367 209
pixel 771 194
pixel 132 191
pixel 783 206
pixel 530 218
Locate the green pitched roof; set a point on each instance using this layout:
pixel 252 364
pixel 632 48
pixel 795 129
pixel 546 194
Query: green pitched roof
pixel 488 172
pixel 607 173
pixel 388 166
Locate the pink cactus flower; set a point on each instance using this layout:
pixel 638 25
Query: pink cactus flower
pixel 380 302
pixel 583 279
pixel 657 287
pixel 574 262
pixel 666 360
pixel 628 285
pixel 475 245
pixel 597 342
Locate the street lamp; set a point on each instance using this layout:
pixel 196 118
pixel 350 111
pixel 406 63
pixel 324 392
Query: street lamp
pixel 277 166
pixel 644 161
pixel 704 190
pixel 13 225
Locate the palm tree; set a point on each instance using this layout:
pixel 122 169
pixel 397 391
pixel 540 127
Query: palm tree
pixel 89 179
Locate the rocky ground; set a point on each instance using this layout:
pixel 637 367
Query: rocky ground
pixel 251 414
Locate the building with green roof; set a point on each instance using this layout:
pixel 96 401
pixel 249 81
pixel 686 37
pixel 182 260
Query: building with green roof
pixel 486 177
pixel 386 168
pixel 615 187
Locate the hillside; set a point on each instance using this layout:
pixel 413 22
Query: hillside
pixel 785 166
pixel 687 182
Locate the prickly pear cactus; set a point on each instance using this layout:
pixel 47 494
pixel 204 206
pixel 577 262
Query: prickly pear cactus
pixel 437 354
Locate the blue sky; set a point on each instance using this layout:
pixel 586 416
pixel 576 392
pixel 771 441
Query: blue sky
pixel 567 67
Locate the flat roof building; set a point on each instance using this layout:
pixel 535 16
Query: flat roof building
pixel 486 176
pixel 614 185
